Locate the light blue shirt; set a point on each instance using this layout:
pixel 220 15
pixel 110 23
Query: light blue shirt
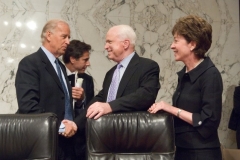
pixel 125 63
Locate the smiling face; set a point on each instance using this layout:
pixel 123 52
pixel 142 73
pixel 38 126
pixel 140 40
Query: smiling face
pixel 181 48
pixel 114 45
pixel 81 63
pixel 58 39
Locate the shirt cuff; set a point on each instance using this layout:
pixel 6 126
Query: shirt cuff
pixel 61 128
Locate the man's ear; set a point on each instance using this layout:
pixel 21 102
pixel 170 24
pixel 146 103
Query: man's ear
pixel 126 44
pixel 72 60
pixel 48 35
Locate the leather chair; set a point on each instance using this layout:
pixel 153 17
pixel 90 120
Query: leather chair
pixel 28 136
pixel 131 136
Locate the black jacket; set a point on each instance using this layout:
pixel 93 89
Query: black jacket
pixel 199 92
pixel 234 120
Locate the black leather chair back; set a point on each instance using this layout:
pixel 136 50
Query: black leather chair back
pixel 131 136
pixel 28 136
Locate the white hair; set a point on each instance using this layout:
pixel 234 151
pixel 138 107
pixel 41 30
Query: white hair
pixel 126 32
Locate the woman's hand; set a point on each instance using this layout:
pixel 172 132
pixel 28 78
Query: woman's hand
pixel 159 106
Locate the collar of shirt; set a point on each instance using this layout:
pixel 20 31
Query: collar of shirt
pixel 125 63
pixel 69 72
pixel 126 60
pixel 196 72
pixel 50 56
pixel 200 61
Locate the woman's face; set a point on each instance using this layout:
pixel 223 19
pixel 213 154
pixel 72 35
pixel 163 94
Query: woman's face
pixel 181 48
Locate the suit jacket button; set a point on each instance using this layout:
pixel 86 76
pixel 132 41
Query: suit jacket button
pixel 199 123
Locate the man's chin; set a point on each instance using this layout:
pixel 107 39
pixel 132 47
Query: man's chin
pixel 61 52
pixel 82 71
pixel 109 57
pixel 176 57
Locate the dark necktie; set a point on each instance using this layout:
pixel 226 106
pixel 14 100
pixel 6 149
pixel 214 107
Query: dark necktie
pixel 71 79
pixel 114 84
pixel 68 111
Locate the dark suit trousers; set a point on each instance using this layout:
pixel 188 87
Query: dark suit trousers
pixel 66 148
pixel 198 154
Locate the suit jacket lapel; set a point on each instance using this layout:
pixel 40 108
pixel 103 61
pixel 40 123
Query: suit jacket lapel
pixel 84 86
pixel 50 68
pixel 66 79
pixel 71 79
pixel 131 68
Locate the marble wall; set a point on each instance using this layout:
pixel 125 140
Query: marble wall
pixel 21 22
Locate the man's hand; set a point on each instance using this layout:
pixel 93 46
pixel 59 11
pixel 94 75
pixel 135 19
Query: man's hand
pixel 98 109
pixel 78 93
pixel 70 128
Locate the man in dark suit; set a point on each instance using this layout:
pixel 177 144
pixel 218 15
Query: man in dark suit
pixel 137 77
pixel 42 86
pixel 76 60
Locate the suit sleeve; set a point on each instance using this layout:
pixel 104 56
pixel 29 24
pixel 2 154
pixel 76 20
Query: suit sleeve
pixel 210 115
pixel 80 120
pixel 98 98
pixel 27 87
pixel 90 90
pixel 141 91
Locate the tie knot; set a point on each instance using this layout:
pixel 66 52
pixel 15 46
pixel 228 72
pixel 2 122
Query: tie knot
pixel 56 61
pixel 119 66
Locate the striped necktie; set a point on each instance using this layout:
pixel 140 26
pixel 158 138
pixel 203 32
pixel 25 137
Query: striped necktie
pixel 68 112
pixel 114 84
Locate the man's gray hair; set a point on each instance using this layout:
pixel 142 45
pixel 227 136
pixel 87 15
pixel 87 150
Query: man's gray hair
pixel 50 26
pixel 127 32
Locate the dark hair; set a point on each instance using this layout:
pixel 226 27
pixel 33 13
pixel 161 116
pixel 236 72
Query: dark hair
pixel 75 49
pixel 194 28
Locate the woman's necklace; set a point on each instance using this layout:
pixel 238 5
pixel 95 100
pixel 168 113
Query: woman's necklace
pixel 200 61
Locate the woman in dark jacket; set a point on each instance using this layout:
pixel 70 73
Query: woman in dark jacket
pixel 234 121
pixel 197 101
pixel 236 101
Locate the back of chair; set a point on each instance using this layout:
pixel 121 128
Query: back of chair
pixel 28 136
pixel 131 136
